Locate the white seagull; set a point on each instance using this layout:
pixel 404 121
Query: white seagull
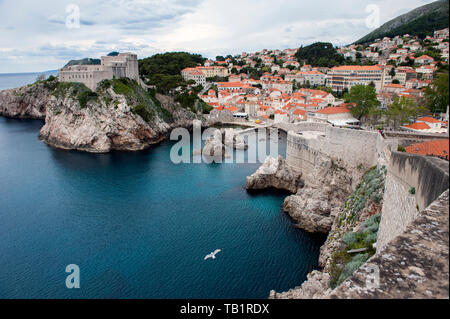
pixel 213 254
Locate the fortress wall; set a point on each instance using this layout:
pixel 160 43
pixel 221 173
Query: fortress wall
pixel 352 147
pixel 427 176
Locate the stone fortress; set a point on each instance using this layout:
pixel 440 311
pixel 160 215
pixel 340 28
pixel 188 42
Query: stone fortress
pixel 413 245
pixel 122 65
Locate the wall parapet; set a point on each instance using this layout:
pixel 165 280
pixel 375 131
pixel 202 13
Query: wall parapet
pixel 413 182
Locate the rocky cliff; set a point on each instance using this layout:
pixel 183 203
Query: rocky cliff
pixel 120 115
pixel 274 173
pixel 352 228
pixel 28 102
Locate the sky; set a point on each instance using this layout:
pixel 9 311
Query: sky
pixel 43 35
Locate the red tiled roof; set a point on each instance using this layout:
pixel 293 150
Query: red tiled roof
pixel 334 110
pixel 428 119
pixel 435 148
pixel 418 126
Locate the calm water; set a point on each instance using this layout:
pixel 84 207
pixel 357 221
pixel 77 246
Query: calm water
pixel 138 225
pixel 13 80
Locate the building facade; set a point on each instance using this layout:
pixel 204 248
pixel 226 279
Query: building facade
pixel 347 76
pixel 120 66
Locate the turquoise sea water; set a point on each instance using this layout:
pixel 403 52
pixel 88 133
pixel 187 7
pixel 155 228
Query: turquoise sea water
pixel 138 226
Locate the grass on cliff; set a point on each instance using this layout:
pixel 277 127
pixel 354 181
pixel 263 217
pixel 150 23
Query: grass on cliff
pixel 368 193
pixel 344 264
pixel 76 90
pixel 146 104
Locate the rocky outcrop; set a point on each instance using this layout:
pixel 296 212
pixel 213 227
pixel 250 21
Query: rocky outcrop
pixel 28 102
pixel 311 210
pixel 274 172
pixel 315 287
pixel 97 122
pixel 315 206
pixel 216 144
pixel 233 139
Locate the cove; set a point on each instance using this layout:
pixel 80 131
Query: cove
pixel 138 226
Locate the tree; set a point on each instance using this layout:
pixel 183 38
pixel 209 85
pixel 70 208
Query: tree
pixel 436 96
pixel 395 81
pixel 364 97
pixel 40 78
pixel 392 72
pixel 220 58
pixel 320 54
pixel 402 110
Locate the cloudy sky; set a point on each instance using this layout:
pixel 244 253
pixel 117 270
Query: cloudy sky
pixel 34 35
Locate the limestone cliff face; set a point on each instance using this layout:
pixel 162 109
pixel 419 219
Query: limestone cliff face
pixel 315 206
pixel 97 128
pixel 315 212
pixel 28 102
pixel 97 122
pixel 274 173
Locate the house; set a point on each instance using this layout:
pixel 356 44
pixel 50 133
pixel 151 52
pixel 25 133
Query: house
pixel 193 74
pixel 431 122
pixel 393 88
pixel 336 115
pixel 417 127
pixel 438 148
pixel 424 59
pixel 234 78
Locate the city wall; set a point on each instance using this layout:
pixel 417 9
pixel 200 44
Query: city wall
pixel 413 182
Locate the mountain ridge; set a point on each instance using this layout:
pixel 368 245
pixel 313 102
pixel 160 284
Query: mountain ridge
pixel 419 21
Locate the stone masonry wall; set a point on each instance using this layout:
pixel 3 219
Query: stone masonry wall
pixel 412 183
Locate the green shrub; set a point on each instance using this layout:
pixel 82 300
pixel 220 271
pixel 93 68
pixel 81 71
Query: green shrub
pixel 356 262
pixel 143 112
pixel 350 238
pixel 412 190
pixel 401 148
pixel 85 96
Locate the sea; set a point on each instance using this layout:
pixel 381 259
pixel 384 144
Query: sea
pixel 137 225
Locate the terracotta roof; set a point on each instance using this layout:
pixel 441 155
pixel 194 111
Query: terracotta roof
pixel 418 126
pixel 428 119
pixel 435 148
pixel 357 68
pixel 334 110
pixel 299 112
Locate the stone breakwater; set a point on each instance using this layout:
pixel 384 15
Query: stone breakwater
pixel 96 122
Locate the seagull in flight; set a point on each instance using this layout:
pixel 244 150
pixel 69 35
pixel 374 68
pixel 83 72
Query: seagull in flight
pixel 213 254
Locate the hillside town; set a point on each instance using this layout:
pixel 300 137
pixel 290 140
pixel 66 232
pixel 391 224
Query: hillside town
pixel 282 89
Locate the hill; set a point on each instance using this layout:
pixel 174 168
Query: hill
pixel 421 22
pixel 163 70
pixel 85 61
pixel 321 54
